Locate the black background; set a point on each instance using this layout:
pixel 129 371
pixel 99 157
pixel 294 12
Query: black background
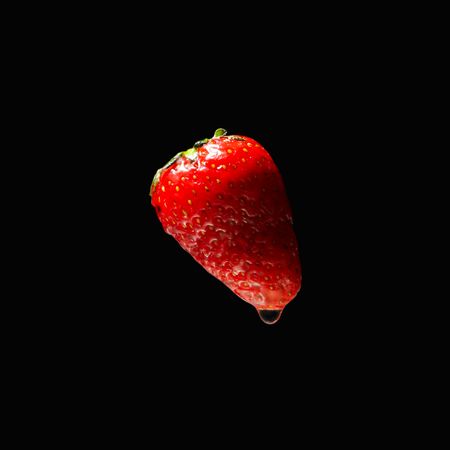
pixel 144 314
pixel 124 332
pixel 136 332
pixel 317 125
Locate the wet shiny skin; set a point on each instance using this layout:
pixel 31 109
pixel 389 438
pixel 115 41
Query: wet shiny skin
pixel 228 208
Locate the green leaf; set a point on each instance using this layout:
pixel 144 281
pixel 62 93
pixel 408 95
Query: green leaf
pixel 191 153
pixel 158 172
pixel 220 132
pixel 200 143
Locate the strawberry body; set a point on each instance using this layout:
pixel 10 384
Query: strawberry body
pixel 224 201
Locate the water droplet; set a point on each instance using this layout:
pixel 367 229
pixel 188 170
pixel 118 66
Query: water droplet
pixel 270 316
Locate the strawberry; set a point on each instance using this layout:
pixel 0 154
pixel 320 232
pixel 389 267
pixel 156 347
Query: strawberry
pixel 224 201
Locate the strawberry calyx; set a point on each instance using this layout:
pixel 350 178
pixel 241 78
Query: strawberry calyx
pixel 220 132
pixel 191 154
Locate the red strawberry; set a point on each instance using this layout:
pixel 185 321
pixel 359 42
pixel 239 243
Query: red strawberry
pixel 224 202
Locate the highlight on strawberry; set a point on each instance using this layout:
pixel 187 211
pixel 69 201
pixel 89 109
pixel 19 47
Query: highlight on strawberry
pixel 225 203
